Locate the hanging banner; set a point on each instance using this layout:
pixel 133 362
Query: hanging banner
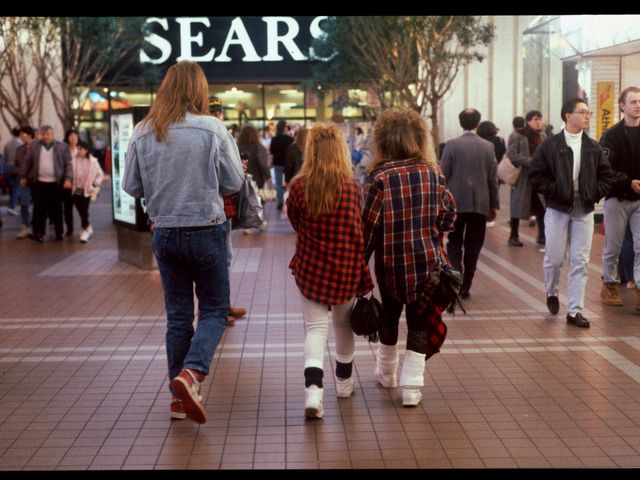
pixel 606 92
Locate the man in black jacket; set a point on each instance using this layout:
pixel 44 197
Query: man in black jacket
pixel 622 205
pixel 573 173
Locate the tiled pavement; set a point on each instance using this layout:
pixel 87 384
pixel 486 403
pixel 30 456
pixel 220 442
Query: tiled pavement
pixel 82 370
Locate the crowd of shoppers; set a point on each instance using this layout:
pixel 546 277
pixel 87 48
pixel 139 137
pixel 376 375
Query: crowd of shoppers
pixel 415 213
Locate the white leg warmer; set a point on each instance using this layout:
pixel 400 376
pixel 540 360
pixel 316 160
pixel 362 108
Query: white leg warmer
pixel 412 374
pixel 387 365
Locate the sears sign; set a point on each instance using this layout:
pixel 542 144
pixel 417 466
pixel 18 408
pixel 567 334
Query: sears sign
pixel 236 48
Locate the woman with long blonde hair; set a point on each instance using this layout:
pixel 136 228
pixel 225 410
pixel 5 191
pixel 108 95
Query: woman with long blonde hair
pixel 180 159
pixel 324 208
pixel 408 207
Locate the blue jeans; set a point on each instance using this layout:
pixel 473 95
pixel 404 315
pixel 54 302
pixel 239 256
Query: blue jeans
pixel 278 174
pixel 13 182
pixel 188 256
pixel 25 201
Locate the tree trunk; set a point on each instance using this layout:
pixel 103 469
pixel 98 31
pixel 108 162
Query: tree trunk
pixel 435 133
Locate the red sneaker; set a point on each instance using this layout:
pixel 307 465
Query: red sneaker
pixel 177 409
pixel 187 388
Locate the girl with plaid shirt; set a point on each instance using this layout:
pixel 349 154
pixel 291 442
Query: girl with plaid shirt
pixel 408 207
pixel 324 208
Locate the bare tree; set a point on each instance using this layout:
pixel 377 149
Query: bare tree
pixel 24 42
pixel 92 49
pixel 409 60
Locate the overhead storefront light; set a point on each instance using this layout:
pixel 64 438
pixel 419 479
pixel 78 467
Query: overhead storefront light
pixel 290 91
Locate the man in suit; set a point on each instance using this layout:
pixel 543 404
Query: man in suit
pixel 47 170
pixel 469 165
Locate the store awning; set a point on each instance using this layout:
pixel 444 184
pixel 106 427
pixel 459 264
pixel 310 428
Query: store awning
pixel 578 36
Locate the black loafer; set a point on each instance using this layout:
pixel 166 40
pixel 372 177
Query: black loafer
pixel 553 304
pixel 578 321
pixel 464 294
pixel 514 242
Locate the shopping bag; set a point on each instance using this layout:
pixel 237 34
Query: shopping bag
pixel 250 211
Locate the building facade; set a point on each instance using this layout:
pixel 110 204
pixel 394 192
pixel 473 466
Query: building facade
pixel 260 67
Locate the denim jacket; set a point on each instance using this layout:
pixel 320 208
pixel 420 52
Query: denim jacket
pixel 183 178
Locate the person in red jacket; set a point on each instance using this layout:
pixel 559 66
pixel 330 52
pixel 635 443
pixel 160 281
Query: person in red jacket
pixel 329 268
pixel 235 312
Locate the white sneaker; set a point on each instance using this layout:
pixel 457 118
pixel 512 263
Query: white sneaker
pixel 344 387
pixel 411 397
pixel 491 224
pixel 84 236
pixel 23 232
pixel 313 402
pixel 263 226
pixel 13 211
pixel 90 230
pixel 247 231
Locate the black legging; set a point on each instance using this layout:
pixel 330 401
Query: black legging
pixel 416 325
pixel 82 205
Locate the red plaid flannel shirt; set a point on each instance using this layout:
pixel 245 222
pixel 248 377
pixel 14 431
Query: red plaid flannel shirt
pixel 328 264
pixel 230 204
pixel 407 210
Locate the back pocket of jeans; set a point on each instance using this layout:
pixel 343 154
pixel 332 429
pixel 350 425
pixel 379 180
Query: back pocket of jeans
pixel 159 241
pixel 205 245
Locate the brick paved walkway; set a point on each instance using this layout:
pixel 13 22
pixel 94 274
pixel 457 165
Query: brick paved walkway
pixel 82 370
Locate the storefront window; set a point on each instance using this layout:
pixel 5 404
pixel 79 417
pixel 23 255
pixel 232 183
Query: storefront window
pixel 287 102
pixel 242 103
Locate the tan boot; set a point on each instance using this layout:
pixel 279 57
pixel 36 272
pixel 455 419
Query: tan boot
pixel 637 300
pixel 609 294
pixel 237 312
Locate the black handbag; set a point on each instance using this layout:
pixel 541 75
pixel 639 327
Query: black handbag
pixel 448 283
pixel 367 318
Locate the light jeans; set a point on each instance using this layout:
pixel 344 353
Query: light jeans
pixel 617 215
pixel 316 330
pixel 278 176
pixel 227 232
pixel 573 232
